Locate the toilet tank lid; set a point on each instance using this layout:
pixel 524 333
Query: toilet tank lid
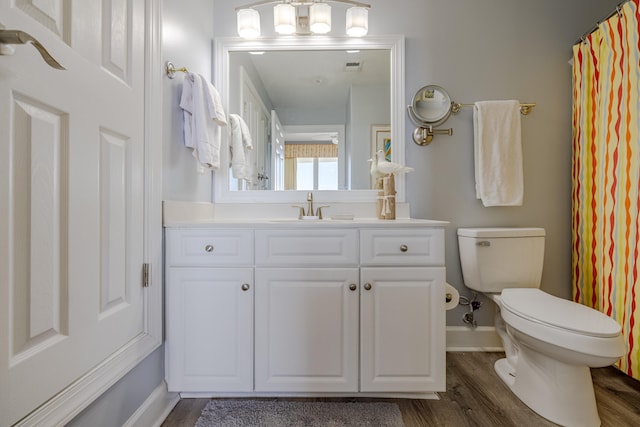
pixel 501 232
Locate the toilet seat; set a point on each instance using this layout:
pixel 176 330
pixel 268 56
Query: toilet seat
pixel 531 314
pixel 540 307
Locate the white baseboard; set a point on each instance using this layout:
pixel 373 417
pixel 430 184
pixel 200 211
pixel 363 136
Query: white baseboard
pixel 64 406
pixel 155 409
pixel 482 338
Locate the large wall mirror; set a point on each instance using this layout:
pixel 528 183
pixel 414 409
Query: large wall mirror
pixel 316 110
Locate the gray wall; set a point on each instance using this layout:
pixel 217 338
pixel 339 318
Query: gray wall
pixel 482 50
pixel 367 107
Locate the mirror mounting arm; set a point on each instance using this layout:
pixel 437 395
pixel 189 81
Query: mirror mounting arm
pixel 424 135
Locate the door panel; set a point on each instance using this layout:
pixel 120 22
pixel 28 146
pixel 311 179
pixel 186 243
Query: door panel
pixel 277 152
pixel 306 330
pixel 210 329
pixel 402 350
pixel 71 195
pixel 256 115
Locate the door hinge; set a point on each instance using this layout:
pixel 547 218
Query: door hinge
pixel 146 275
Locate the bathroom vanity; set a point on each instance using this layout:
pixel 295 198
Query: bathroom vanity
pixel 291 307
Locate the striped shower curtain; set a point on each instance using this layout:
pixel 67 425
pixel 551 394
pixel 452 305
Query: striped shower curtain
pixel 606 175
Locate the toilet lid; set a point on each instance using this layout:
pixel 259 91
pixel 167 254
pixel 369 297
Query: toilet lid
pixel 541 307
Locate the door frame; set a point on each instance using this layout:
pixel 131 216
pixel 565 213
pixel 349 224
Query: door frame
pixel 63 407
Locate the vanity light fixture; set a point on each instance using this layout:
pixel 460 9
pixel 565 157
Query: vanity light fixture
pixel 302 17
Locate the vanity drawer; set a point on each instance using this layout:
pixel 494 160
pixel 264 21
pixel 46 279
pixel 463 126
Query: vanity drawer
pixel 307 248
pixel 402 246
pixel 209 247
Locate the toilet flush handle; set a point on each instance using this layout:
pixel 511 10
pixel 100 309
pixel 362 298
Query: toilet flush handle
pixel 484 243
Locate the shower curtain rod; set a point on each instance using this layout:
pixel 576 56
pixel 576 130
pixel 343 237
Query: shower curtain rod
pixel 595 27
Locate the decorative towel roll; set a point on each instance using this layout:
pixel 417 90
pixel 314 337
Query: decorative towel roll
pixel 498 153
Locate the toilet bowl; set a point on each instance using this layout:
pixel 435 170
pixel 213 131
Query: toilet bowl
pixel 550 343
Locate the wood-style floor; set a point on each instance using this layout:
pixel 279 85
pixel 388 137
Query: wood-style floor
pixel 477 397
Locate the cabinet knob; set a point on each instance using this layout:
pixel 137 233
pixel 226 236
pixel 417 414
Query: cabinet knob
pixel 404 248
pixel 367 286
pixel 353 287
pixel 208 248
pixel 245 287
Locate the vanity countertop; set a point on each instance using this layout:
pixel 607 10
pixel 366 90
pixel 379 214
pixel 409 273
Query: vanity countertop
pixel 207 215
pixel 298 223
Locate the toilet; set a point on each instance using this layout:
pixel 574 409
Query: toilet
pixel 550 343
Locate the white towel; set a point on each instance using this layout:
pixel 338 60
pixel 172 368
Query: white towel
pixel 240 143
pixel 498 153
pixel 203 117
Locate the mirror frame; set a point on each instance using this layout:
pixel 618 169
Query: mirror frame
pixel 395 44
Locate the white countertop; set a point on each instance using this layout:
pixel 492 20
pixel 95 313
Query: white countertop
pixel 203 215
pixel 284 223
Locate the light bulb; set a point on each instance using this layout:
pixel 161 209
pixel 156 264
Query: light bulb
pixel 320 18
pixel 284 18
pixel 248 23
pixel 357 21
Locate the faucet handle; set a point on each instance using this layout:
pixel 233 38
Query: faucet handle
pixel 319 211
pixel 300 212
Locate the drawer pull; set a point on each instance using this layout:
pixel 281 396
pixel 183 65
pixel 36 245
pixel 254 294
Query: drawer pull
pixel 353 287
pixel 245 287
pixel 367 286
pixel 208 248
pixel 404 248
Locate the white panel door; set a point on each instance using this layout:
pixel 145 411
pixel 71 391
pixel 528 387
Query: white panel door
pixel 210 329
pixel 306 329
pixel 71 194
pixel 256 115
pixel 402 330
pixel 277 152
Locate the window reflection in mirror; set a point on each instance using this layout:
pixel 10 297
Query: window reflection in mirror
pixel 310 115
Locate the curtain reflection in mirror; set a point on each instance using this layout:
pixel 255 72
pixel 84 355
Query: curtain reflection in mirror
pixel 311 167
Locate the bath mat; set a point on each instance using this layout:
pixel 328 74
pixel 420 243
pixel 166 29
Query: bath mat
pixel 285 413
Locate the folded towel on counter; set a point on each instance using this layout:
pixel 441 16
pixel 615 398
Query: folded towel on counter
pixel 498 153
pixel 203 116
pixel 240 143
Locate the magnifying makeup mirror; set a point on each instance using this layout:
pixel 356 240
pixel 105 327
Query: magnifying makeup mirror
pixel 431 106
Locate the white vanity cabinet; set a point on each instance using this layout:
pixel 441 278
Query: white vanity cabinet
pixel 332 309
pixel 209 310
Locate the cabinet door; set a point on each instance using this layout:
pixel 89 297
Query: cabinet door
pixel 402 330
pixel 209 329
pixel 306 332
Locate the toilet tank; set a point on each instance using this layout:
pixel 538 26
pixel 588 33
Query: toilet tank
pixel 494 259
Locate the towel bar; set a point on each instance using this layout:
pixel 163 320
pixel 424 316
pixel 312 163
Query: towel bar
pixel 525 108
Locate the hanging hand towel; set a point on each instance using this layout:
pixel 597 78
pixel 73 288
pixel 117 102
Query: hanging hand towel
pixel 203 116
pixel 240 143
pixel 498 153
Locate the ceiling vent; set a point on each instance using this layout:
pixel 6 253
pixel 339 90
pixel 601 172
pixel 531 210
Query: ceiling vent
pixel 353 66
